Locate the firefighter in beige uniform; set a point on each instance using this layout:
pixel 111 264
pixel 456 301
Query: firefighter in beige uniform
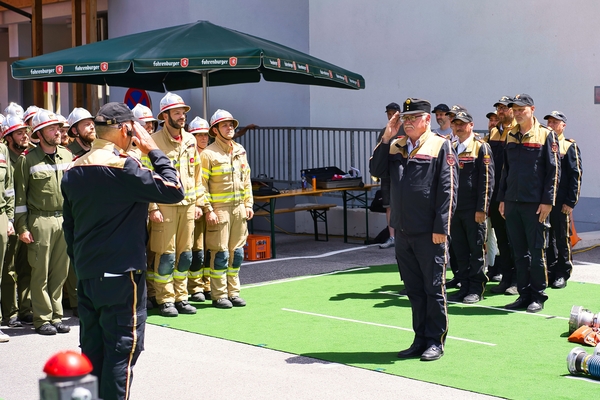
pixel 199 274
pixel 38 220
pixel 226 180
pixel 172 225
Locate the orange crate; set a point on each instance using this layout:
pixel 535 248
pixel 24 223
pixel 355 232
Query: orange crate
pixel 257 248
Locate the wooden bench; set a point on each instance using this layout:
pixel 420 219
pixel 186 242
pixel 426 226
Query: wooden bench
pixel 318 212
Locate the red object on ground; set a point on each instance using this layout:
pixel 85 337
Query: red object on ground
pixel 68 363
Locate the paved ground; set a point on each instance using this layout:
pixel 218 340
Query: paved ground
pixel 182 365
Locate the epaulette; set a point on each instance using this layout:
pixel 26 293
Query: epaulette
pixel 570 140
pixel 25 152
pixel 442 136
pixel 123 155
pixel 76 158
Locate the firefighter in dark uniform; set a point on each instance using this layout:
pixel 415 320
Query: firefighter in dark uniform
pixel 560 262
pixel 423 173
pixel 527 193
pixel 469 228
pixel 504 263
pixel 108 246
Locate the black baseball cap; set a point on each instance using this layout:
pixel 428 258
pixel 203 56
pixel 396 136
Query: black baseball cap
pixel 392 107
pixel 114 113
pixel 464 116
pixel 441 107
pixel 557 115
pixel 523 100
pixel 416 106
pixel 455 109
pixel 489 115
pixel 504 100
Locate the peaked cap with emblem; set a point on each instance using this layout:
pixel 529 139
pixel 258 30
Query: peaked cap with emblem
pixel 557 115
pixel 504 100
pixel 416 106
pixel 463 115
pixel 523 100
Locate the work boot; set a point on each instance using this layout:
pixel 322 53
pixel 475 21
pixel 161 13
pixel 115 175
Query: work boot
pixel 500 288
pixel 151 303
pixel 168 310
pixel 388 243
pixel 222 303
pixel 26 319
pixel 559 283
pixel 61 328
pixel 14 322
pixel 184 307
pixel 453 283
pixel 46 329
pixel 512 291
pixel 472 298
pixel 198 297
pixel 207 295
pixel 458 296
pixel 237 301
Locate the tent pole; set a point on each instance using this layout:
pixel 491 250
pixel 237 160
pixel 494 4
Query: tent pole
pixel 205 94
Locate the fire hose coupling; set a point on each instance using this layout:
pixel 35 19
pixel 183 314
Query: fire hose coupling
pixel 579 362
pixel 581 316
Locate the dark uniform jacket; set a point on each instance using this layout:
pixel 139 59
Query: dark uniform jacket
pixel 531 168
pixel 75 148
pixel 497 140
pixel 476 177
pixel 571 172
pixel 424 183
pixel 106 196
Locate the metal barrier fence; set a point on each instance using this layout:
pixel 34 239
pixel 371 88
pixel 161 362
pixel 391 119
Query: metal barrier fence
pixel 279 153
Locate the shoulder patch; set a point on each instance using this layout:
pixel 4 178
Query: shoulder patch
pixel 450 160
pixel 487 159
pixel 555 147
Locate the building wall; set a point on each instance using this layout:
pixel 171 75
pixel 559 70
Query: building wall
pixel 462 52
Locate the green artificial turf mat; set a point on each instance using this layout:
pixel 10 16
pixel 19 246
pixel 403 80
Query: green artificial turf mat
pixel 354 318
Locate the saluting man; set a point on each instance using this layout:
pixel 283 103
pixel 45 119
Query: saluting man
pixel 423 175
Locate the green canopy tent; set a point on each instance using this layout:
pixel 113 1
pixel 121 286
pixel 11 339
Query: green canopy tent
pixel 194 55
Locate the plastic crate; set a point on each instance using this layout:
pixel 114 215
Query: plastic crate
pixel 257 248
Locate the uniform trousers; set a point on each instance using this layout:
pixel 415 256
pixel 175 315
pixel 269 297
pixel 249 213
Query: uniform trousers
pixel 504 261
pixel 16 278
pixel 560 261
pixel 199 274
pixel 112 316
pixel 423 267
pixel 3 244
pixel 71 286
pixel 468 239
pixel 171 240
pixel 226 241
pixel 528 238
pixel 49 262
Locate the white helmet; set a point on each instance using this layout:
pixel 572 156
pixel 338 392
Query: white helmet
pixel 30 112
pixel 2 127
pixel 63 120
pixel 198 125
pixel 14 109
pixel 13 123
pixel 43 118
pixel 222 115
pixel 171 100
pixel 77 115
pixel 143 113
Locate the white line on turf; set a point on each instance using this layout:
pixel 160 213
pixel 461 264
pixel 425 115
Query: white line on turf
pixel 331 253
pixel 582 378
pixel 490 308
pixel 300 278
pixel 380 325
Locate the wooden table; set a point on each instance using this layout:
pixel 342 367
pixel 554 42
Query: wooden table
pixel 268 203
